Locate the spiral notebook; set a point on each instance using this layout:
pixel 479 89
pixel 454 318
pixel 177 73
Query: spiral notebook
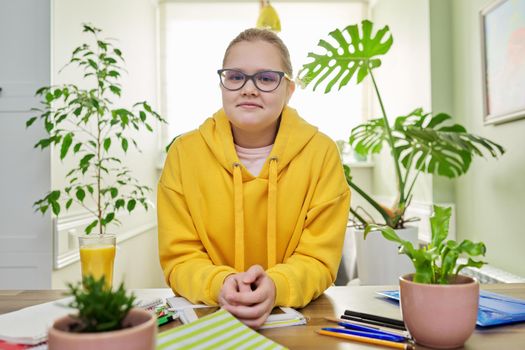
pixel 494 309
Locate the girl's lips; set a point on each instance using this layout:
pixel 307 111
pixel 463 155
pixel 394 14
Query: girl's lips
pixel 249 105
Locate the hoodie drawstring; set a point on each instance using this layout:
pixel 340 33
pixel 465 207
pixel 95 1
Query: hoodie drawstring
pixel 272 213
pixel 271 233
pixel 238 217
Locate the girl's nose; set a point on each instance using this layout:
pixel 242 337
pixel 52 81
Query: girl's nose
pixel 249 88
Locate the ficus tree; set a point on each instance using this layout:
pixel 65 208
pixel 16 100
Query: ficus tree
pixel 85 124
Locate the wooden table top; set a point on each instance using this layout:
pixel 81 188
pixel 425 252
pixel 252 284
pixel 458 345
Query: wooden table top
pixel 332 304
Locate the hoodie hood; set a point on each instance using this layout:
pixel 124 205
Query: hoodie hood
pixel 293 135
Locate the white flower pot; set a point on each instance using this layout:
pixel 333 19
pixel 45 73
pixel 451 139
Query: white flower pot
pixel 378 260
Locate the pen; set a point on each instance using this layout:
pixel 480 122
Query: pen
pixel 372 322
pixel 389 337
pixel 369 326
pixel 357 327
pixel 375 318
pixel 367 340
pixel 162 320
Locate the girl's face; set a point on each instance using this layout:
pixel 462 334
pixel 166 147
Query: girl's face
pixel 251 111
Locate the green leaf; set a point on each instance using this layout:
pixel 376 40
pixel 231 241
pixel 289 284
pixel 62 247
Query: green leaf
pixel 55 207
pixel 77 147
pixel 114 192
pixel 119 204
pixel 439 223
pixel 66 143
pixel 342 61
pixel 68 203
pixel 131 205
pixel 109 217
pixel 80 194
pixel 30 121
pixel 107 144
pixel 124 143
pixel 91 226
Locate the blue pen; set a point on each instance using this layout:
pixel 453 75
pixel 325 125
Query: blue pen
pixel 395 338
pixel 367 329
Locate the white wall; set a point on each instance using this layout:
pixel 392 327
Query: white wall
pixel 491 196
pixel 404 79
pixel 134 24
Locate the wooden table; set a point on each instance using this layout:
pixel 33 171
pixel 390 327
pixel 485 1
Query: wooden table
pixel 332 304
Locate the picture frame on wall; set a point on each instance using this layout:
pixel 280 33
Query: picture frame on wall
pixel 503 60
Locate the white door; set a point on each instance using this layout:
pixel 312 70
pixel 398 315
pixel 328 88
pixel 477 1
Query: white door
pixel 25 175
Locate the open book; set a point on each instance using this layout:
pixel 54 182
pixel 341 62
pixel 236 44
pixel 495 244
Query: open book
pixel 280 317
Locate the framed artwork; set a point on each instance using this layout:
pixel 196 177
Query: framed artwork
pixel 503 54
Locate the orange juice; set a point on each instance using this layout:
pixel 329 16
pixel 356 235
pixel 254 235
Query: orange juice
pixel 97 260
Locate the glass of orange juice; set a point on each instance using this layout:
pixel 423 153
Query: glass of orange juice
pixel 97 255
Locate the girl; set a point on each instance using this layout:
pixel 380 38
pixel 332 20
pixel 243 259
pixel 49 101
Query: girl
pixel 252 206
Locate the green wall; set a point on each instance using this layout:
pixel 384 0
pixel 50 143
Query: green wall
pixel 490 198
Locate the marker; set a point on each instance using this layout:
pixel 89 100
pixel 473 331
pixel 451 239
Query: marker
pixel 165 319
pixel 367 340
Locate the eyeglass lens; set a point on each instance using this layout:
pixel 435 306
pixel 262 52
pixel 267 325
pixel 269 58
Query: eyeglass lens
pixel 265 81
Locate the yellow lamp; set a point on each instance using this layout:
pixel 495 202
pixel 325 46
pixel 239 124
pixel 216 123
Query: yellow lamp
pixel 268 18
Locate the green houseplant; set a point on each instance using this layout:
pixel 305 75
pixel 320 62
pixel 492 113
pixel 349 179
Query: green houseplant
pixel 106 319
pixel 419 142
pixel 436 300
pixel 85 124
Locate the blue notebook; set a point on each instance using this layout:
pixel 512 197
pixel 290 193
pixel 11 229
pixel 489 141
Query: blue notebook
pixel 494 309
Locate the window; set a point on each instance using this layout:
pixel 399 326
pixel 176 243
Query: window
pixel 193 39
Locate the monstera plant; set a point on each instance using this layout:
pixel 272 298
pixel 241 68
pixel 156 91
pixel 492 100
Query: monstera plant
pixel 419 142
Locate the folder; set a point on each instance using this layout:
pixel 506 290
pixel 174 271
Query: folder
pixel 494 309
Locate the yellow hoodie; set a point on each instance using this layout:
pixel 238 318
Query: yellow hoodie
pixel 215 218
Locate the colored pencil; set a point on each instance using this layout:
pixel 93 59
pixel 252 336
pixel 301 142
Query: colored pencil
pixel 367 340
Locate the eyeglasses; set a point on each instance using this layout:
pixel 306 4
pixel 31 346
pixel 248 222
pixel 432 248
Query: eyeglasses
pixel 265 81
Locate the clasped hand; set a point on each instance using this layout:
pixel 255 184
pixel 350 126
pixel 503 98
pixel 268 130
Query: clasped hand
pixel 249 296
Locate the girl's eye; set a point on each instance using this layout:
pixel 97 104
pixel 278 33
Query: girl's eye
pixel 234 76
pixel 267 77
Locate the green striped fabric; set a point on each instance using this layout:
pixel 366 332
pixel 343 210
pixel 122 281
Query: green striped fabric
pixel 220 330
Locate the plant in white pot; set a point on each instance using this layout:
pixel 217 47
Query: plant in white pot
pixel 419 142
pixel 439 305
pixel 84 124
pixel 106 320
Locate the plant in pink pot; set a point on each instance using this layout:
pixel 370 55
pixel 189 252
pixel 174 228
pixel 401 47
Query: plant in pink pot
pixel 106 320
pixel 439 305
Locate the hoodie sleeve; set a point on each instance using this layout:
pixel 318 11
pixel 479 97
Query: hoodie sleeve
pixel 187 267
pixel 312 267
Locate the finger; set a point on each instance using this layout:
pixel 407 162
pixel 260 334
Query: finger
pixel 252 274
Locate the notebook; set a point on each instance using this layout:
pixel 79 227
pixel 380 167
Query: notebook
pixel 220 330
pixel 494 309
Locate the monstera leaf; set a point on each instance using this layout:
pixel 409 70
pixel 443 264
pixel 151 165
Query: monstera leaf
pixel 427 142
pixel 341 62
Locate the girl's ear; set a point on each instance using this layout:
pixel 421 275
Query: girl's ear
pixel 290 90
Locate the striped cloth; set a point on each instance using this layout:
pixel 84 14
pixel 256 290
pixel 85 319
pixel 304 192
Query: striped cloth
pixel 220 330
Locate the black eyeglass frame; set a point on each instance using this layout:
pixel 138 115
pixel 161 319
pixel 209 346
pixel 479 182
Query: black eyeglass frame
pixel 252 78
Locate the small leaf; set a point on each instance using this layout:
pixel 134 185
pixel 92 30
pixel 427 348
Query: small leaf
pixel 30 121
pixel 55 207
pixel 81 194
pixel 91 226
pixel 131 205
pixel 124 143
pixel 107 144
pixel 69 202
pixel 66 143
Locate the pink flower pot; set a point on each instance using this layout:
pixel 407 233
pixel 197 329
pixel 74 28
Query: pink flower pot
pixel 140 335
pixel 441 316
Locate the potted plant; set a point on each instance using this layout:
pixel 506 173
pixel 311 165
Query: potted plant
pixel 85 124
pixel 106 319
pixel 419 142
pixel 439 305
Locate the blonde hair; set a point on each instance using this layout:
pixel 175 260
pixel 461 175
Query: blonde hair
pixel 255 34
